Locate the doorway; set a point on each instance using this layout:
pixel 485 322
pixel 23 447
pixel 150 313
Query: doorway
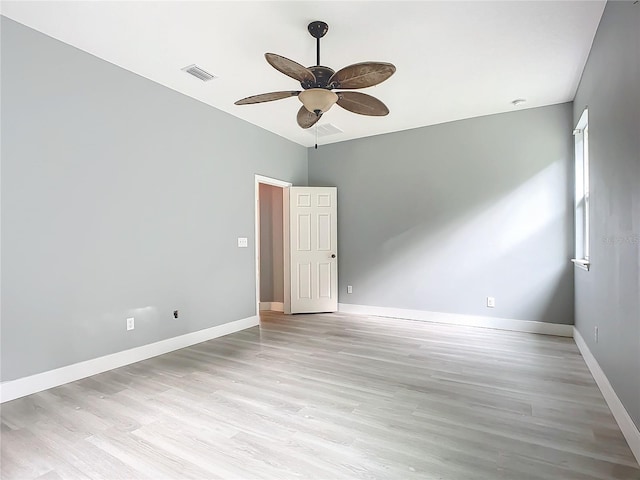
pixel 296 247
pixel 271 249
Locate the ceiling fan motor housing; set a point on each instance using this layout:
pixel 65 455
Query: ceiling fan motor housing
pixel 322 74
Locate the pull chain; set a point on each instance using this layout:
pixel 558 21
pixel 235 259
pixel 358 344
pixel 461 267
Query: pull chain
pixel 316 135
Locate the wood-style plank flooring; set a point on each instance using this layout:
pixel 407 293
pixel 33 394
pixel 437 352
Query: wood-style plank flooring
pixel 329 397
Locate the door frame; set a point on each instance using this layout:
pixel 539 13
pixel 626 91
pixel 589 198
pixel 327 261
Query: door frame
pixel 274 182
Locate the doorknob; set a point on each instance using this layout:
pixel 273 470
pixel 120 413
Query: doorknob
pixel 333 255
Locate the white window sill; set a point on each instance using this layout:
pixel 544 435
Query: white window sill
pixel 581 263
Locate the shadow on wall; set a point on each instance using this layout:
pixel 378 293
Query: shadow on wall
pixel 439 218
pixel 495 247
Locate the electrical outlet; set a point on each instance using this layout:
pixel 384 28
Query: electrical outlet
pixel 175 313
pixel 349 289
pixel 243 242
pixel 595 334
pixel 491 302
pixel 131 323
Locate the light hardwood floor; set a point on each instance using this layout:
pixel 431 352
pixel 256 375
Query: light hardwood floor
pixel 329 397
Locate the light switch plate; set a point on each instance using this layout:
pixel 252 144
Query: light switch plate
pixel 243 242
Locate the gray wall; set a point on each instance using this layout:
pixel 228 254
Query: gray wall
pixel 271 244
pixel 120 198
pixel 439 218
pixel 608 296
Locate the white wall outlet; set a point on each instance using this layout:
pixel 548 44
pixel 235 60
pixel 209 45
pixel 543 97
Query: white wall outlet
pixel 595 334
pixel 349 289
pixel 491 302
pixel 243 242
pixel 131 323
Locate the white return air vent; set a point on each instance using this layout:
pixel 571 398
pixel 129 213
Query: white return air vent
pixel 324 130
pixel 198 72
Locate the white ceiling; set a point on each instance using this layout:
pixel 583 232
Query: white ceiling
pixel 454 59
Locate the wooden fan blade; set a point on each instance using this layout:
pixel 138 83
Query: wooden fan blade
pixel 362 103
pixel 266 97
pixel 362 75
pixel 290 68
pixel 307 119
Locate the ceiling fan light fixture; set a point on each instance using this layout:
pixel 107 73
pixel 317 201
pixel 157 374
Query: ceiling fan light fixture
pixel 318 100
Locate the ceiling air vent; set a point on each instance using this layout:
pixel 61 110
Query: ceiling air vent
pixel 198 72
pixel 324 130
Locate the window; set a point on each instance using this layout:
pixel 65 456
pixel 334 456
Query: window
pixel 581 134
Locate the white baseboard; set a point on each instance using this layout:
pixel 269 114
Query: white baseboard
pixel 273 306
pixel 53 378
pixel 626 424
pixel 459 319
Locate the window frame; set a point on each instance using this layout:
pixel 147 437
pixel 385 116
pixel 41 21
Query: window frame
pixel 582 192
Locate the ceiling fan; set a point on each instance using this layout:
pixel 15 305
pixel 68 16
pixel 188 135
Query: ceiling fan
pixel 318 83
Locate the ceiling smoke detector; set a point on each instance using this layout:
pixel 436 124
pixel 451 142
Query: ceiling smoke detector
pixel 199 73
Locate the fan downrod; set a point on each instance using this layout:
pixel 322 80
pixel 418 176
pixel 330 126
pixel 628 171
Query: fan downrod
pixel 318 30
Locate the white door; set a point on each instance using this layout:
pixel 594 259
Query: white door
pixel 313 249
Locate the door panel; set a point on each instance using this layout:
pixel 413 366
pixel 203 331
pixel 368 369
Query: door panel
pixel 324 280
pixel 304 281
pixel 304 232
pixel 324 232
pixel 313 244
